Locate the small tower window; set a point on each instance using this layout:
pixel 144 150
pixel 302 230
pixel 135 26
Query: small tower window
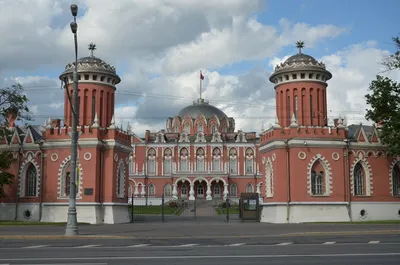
pixel 294 76
pixel 102 79
pixel 303 76
pixel 108 80
pixel 94 77
pixel 318 76
pixel 280 79
pixel 86 77
pixel 286 77
pixel 311 76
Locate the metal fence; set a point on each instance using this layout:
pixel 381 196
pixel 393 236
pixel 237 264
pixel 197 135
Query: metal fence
pixel 161 209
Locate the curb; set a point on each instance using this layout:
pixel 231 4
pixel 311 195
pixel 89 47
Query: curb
pixel 344 233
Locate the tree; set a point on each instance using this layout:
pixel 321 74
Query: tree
pixel 13 103
pixel 384 100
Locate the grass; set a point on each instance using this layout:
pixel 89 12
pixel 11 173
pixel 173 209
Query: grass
pixel 234 209
pixel 153 209
pixel 33 223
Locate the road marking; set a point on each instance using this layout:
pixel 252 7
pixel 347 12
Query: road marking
pixel 183 257
pixel 38 246
pixel 284 244
pixel 88 246
pixel 329 243
pixel 373 242
pixel 188 245
pixel 237 244
pixel 138 246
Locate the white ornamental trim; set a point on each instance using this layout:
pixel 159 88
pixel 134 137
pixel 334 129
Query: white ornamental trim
pixel 368 174
pixel 335 156
pixel 30 159
pixel 394 162
pixel 115 157
pixel 269 179
pixel 60 182
pixel 328 174
pixel 273 157
pixel 121 167
pixel 87 156
pixel 302 155
pixel 54 157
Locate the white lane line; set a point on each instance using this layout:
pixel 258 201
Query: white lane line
pixel 373 242
pixel 284 244
pixel 188 245
pixel 38 246
pixel 88 246
pixel 236 245
pixel 138 246
pixel 329 243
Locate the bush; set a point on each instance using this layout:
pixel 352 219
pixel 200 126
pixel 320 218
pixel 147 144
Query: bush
pixel 173 204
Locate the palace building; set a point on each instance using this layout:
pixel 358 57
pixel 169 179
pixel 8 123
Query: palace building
pixel 303 169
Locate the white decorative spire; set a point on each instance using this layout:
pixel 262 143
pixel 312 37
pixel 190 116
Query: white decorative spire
pixel 276 125
pixel 129 128
pixel 112 123
pixel 48 125
pixel 95 121
pixel 293 121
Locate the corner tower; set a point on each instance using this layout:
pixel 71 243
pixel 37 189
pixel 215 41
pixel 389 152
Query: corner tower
pixel 96 90
pixel 300 86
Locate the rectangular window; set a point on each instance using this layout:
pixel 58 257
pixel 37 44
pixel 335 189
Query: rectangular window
pixel 216 165
pixel 101 111
pixel 167 167
pixel 288 109
pixel 296 107
pixel 232 166
pixel 311 111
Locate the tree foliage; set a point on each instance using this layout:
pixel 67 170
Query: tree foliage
pixel 384 99
pixel 12 102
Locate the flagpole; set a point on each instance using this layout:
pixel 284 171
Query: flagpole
pixel 200 85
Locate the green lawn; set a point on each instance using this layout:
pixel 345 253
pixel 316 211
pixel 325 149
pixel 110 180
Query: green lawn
pixel 15 223
pixel 153 209
pixel 234 209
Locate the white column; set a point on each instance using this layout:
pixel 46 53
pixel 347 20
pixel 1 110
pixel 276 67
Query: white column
pixel 136 193
pixel 191 192
pixel 225 191
pixel 143 193
pixel 174 191
pixel 209 197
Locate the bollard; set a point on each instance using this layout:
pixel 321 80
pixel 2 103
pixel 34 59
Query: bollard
pixel 162 209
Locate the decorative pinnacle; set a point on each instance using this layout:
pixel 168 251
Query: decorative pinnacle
pixel 92 47
pixel 95 121
pixel 300 45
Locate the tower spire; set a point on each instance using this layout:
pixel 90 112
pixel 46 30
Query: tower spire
pixel 92 48
pixel 300 45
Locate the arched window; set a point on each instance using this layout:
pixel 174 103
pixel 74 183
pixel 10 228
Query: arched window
pixel 167 161
pixel 130 190
pixel 200 127
pixel 213 129
pixel 151 190
pixel 184 159
pixel 317 187
pixel 66 181
pixel 217 190
pixel 130 165
pixel 200 190
pixel 233 190
pixel 151 161
pixel 269 180
pixel 31 180
pixel 359 179
pixel 396 180
pixel 216 159
pixel 121 180
pixel 200 159
pixel 249 160
pixel 249 188
pixel 167 190
pixel 187 128
pixel 233 161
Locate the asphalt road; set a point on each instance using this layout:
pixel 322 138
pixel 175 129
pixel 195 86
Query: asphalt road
pixel 291 254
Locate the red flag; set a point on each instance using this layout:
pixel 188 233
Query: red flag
pixel 201 76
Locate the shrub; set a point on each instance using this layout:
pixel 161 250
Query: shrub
pixel 173 204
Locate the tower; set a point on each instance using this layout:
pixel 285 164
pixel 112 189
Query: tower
pixel 96 90
pixel 300 88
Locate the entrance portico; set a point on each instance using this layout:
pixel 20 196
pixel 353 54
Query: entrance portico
pixel 200 188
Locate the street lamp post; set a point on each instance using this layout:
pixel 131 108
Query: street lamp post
pixel 72 221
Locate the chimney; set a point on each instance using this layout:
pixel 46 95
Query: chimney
pixel 56 123
pixel 147 136
pixel 336 122
pixel 12 117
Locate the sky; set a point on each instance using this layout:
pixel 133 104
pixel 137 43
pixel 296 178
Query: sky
pixel 159 46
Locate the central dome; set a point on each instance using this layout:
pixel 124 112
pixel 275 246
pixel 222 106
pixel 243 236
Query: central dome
pixel 201 107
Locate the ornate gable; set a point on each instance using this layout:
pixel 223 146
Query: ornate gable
pixel 200 138
pixel 216 138
pixel 160 138
pixel 184 138
pixel 241 137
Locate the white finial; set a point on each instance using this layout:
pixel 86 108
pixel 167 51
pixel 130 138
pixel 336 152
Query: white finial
pixel 293 121
pixel 129 128
pixel 277 125
pixel 95 121
pixel 112 123
pixel 48 126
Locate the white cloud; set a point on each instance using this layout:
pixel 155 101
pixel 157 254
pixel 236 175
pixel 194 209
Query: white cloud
pixel 174 39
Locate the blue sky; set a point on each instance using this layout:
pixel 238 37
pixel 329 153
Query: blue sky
pixel 366 20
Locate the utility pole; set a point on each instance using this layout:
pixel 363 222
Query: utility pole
pixel 72 220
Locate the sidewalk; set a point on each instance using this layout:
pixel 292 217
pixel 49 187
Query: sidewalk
pixel 199 230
